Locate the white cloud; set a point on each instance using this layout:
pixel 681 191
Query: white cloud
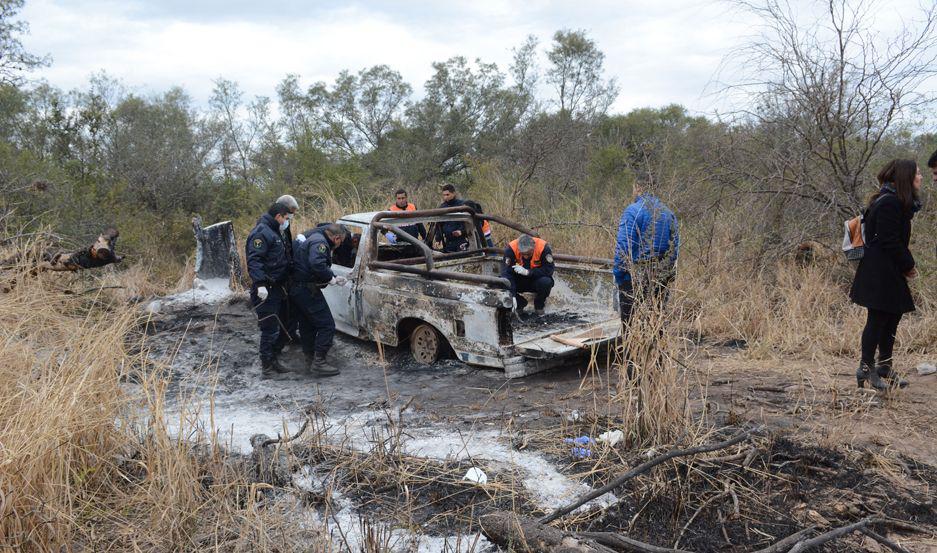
pixel 664 52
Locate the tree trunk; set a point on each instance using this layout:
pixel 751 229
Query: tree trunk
pixel 216 254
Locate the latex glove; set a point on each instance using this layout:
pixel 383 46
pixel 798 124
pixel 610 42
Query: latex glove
pixel 338 280
pixel 519 269
pixel 262 292
pixel 301 237
pixel 391 238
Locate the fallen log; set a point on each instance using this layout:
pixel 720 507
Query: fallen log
pixel 523 534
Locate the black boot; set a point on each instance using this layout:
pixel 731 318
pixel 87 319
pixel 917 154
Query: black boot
pixel 865 372
pixel 270 368
pixel 884 371
pixel 319 366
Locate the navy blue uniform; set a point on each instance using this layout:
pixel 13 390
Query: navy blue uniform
pixel 539 281
pixel 268 266
pixel 312 271
pixel 445 231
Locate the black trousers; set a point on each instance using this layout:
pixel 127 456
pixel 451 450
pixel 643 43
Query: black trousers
pixel 879 333
pixel 272 317
pixel 541 287
pixel 649 287
pixel 316 324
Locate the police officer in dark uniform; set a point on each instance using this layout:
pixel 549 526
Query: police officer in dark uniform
pixel 528 264
pixel 286 234
pixel 451 233
pixel 268 267
pixel 312 271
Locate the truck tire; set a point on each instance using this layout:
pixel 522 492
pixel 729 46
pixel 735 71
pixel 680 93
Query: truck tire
pixel 426 345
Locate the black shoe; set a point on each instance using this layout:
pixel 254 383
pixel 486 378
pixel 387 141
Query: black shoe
pixel 319 366
pixel 866 373
pixel 270 368
pixel 884 371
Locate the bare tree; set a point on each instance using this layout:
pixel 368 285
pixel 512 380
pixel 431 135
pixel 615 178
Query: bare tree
pixel 830 89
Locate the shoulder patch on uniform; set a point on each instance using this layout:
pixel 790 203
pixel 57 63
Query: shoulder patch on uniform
pixel 258 243
pixel 507 260
pixel 549 258
pixel 322 248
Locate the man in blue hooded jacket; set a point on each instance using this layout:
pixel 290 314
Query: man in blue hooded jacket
pixel 646 252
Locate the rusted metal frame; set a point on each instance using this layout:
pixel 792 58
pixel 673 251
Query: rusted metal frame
pixel 437 256
pixel 427 252
pixel 565 257
pixel 442 275
pixel 455 209
pixel 508 223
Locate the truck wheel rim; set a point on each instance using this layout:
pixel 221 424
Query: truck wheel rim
pixel 426 344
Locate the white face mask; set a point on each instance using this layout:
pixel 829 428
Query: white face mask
pixel 284 225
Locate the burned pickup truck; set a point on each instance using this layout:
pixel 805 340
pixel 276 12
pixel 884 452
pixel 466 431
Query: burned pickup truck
pixel 406 292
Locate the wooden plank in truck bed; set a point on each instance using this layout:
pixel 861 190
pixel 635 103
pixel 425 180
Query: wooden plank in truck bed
pixel 568 342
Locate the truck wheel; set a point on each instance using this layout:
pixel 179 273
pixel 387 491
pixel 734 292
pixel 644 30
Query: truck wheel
pixel 425 344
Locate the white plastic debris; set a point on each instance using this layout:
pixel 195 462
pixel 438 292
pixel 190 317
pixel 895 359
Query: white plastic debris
pixel 650 453
pixel 611 437
pixel 476 475
pixel 573 416
pixel 925 369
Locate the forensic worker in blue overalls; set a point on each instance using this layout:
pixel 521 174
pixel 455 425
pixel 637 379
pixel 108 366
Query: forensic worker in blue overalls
pixel 312 272
pixel 268 266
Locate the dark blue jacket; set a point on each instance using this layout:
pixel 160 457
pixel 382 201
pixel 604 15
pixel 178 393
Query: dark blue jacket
pixel 267 259
pixel 647 231
pixel 312 259
pixel 449 227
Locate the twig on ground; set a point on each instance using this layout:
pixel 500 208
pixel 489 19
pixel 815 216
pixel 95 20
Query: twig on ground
pixel 641 469
pixel 883 540
pixel 782 545
pixel 280 440
pixel 805 545
pixel 624 543
pixel 720 495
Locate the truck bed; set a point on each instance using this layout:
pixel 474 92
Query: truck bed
pixel 583 299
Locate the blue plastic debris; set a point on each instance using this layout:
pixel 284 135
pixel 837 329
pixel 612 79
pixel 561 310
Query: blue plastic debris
pixel 579 450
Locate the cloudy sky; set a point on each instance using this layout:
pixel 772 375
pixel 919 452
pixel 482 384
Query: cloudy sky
pixel 661 51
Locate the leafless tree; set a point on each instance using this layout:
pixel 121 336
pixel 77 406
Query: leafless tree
pixel 829 87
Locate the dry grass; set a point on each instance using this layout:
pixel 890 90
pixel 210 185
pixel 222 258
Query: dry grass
pixel 85 463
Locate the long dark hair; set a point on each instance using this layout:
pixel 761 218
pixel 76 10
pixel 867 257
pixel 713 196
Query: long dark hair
pixel 900 174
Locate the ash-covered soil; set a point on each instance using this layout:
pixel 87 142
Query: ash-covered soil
pixel 455 417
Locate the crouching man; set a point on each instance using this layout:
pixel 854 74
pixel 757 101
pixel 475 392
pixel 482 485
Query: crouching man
pixel 528 264
pixel 312 271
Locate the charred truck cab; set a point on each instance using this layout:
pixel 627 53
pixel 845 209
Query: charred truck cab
pixel 407 292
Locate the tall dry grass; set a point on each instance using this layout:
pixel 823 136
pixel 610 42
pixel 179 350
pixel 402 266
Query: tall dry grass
pixel 87 458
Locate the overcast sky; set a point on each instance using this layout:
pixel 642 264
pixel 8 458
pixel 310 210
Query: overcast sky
pixel 661 51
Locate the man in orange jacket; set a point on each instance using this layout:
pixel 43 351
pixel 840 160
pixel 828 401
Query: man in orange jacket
pixel 528 264
pixel 402 203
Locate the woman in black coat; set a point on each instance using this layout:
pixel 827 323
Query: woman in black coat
pixel 881 283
